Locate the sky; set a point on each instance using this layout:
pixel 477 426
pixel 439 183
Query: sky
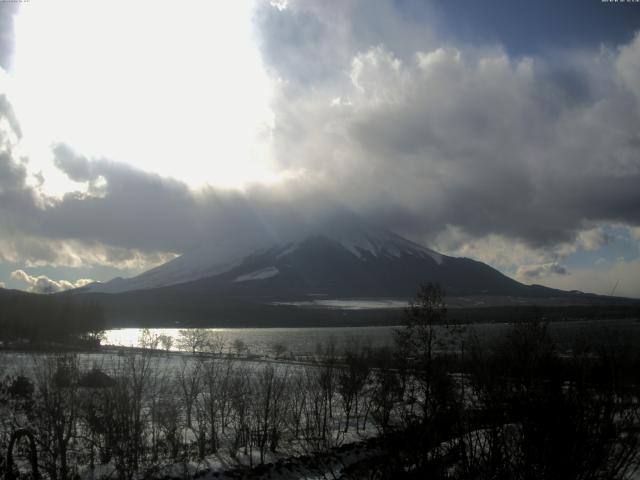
pixel 504 131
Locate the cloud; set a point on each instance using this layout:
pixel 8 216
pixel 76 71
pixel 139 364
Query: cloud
pixel 517 161
pixel 39 252
pixel 76 167
pixel 621 279
pixel 473 139
pixel 508 254
pixel 309 41
pixel 43 284
pixel 528 273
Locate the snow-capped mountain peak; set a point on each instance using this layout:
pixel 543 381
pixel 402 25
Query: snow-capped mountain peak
pixel 361 240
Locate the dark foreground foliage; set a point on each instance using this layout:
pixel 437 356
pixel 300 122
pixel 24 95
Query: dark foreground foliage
pixel 46 319
pixel 515 409
pixel 518 407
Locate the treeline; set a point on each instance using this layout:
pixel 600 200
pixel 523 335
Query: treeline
pixel 515 408
pixel 528 313
pixel 43 319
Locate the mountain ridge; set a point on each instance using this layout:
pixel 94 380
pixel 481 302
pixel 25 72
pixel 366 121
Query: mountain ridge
pixel 338 260
pixel 375 264
pixel 356 236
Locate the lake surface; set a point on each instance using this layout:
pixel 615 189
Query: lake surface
pixel 304 341
pixel 260 341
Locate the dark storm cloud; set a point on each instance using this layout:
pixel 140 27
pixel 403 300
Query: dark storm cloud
pixel 16 197
pixel 312 41
pixel 377 114
pixel 141 210
pixel 134 208
pixel 536 149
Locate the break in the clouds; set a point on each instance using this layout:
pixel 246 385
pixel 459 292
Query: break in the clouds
pixel 516 153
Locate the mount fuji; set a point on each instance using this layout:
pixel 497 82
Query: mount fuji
pixel 311 276
pixel 342 258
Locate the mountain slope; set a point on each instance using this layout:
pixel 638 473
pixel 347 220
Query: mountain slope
pixel 354 261
pixel 358 238
pixel 341 258
pixel 322 266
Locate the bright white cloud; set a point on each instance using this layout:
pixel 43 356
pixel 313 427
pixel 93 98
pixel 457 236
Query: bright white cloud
pixel 177 90
pixel 43 284
pixel 39 252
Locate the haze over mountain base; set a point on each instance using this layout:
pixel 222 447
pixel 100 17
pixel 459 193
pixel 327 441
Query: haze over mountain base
pixel 341 272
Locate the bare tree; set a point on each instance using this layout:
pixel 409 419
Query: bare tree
pixel 352 379
pixel 190 384
pixel 297 401
pixel 168 418
pixel 214 343
pixel 127 411
pixel 148 340
pixel 417 340
pixel 216 378
pixel 321 429
pixel 166 341
pixel 270 407
pixel 57 411
pixel 239 346
pixel 278 349
pixel 192 339
pixel 241 400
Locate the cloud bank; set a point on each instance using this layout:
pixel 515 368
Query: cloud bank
pixel 515 160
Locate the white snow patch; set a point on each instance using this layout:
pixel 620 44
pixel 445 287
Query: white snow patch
pixel 258 274
pixel 382 243
pixel 290 249
pixel 365 242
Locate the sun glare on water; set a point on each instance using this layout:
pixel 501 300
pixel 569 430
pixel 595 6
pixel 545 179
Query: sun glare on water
pixel 172 88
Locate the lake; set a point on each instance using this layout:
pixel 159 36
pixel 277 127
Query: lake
pixel 304 341
pixel 260 341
